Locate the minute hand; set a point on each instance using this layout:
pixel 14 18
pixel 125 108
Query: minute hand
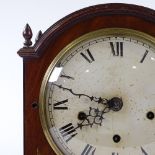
pixel 92 98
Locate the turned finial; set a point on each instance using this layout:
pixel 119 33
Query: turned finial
pixel 27 34
pixel 39 35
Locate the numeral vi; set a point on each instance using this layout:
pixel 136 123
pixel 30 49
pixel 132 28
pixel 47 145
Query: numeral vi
pixel 113 153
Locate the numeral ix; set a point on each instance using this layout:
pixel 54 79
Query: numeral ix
pixel 60 105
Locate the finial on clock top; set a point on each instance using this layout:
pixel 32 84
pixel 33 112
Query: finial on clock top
pixel 39 35
pixel 27 34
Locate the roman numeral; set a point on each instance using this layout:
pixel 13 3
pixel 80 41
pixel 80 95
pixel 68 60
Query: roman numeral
pixel 89 56
pixel 60 105
pixel 66 76
pixel 68 132
pixel 144 56
pixel 88 150
pixel 117 48
pixel 143 151
pixel 113 153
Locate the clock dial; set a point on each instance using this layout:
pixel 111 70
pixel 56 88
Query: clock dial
pixel 100 95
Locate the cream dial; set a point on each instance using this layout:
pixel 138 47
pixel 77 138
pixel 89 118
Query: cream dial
pixel 100 96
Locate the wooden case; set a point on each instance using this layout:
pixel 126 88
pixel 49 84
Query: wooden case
pixel 38 57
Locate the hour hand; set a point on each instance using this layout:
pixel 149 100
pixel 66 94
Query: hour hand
pixel 93 117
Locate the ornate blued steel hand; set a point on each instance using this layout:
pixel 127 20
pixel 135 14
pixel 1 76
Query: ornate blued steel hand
pixel 114 103
pixel 95 116
pixel 92 98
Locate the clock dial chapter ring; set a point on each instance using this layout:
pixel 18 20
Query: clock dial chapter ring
pixel 74 113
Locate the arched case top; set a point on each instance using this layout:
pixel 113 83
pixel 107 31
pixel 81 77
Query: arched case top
pixel 90 19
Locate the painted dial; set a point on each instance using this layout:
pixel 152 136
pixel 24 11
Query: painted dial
pixel 100 96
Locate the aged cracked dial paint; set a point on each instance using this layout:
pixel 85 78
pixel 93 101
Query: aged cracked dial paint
pixel 113 64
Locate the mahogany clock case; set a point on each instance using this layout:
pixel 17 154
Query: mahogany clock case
pixel 38 57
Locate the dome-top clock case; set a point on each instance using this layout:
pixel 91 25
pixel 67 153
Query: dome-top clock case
pixel 89 83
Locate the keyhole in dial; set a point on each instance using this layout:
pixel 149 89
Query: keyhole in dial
pixel 150 115
pixel 116 138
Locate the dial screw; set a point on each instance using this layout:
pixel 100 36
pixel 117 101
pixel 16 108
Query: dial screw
pixel 116 138
pixel 82 115
pixel 150 115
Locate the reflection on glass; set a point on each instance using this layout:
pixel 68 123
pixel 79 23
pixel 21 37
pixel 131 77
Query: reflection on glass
pixel 152 58
pixel 134 67
pixel 87 70
pixel 55 74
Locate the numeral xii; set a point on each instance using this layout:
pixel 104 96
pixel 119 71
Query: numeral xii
pixel 117 48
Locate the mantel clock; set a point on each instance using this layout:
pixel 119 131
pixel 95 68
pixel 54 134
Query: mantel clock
pixel 89 83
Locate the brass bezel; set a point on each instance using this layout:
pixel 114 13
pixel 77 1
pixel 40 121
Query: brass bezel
pixel 102 32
